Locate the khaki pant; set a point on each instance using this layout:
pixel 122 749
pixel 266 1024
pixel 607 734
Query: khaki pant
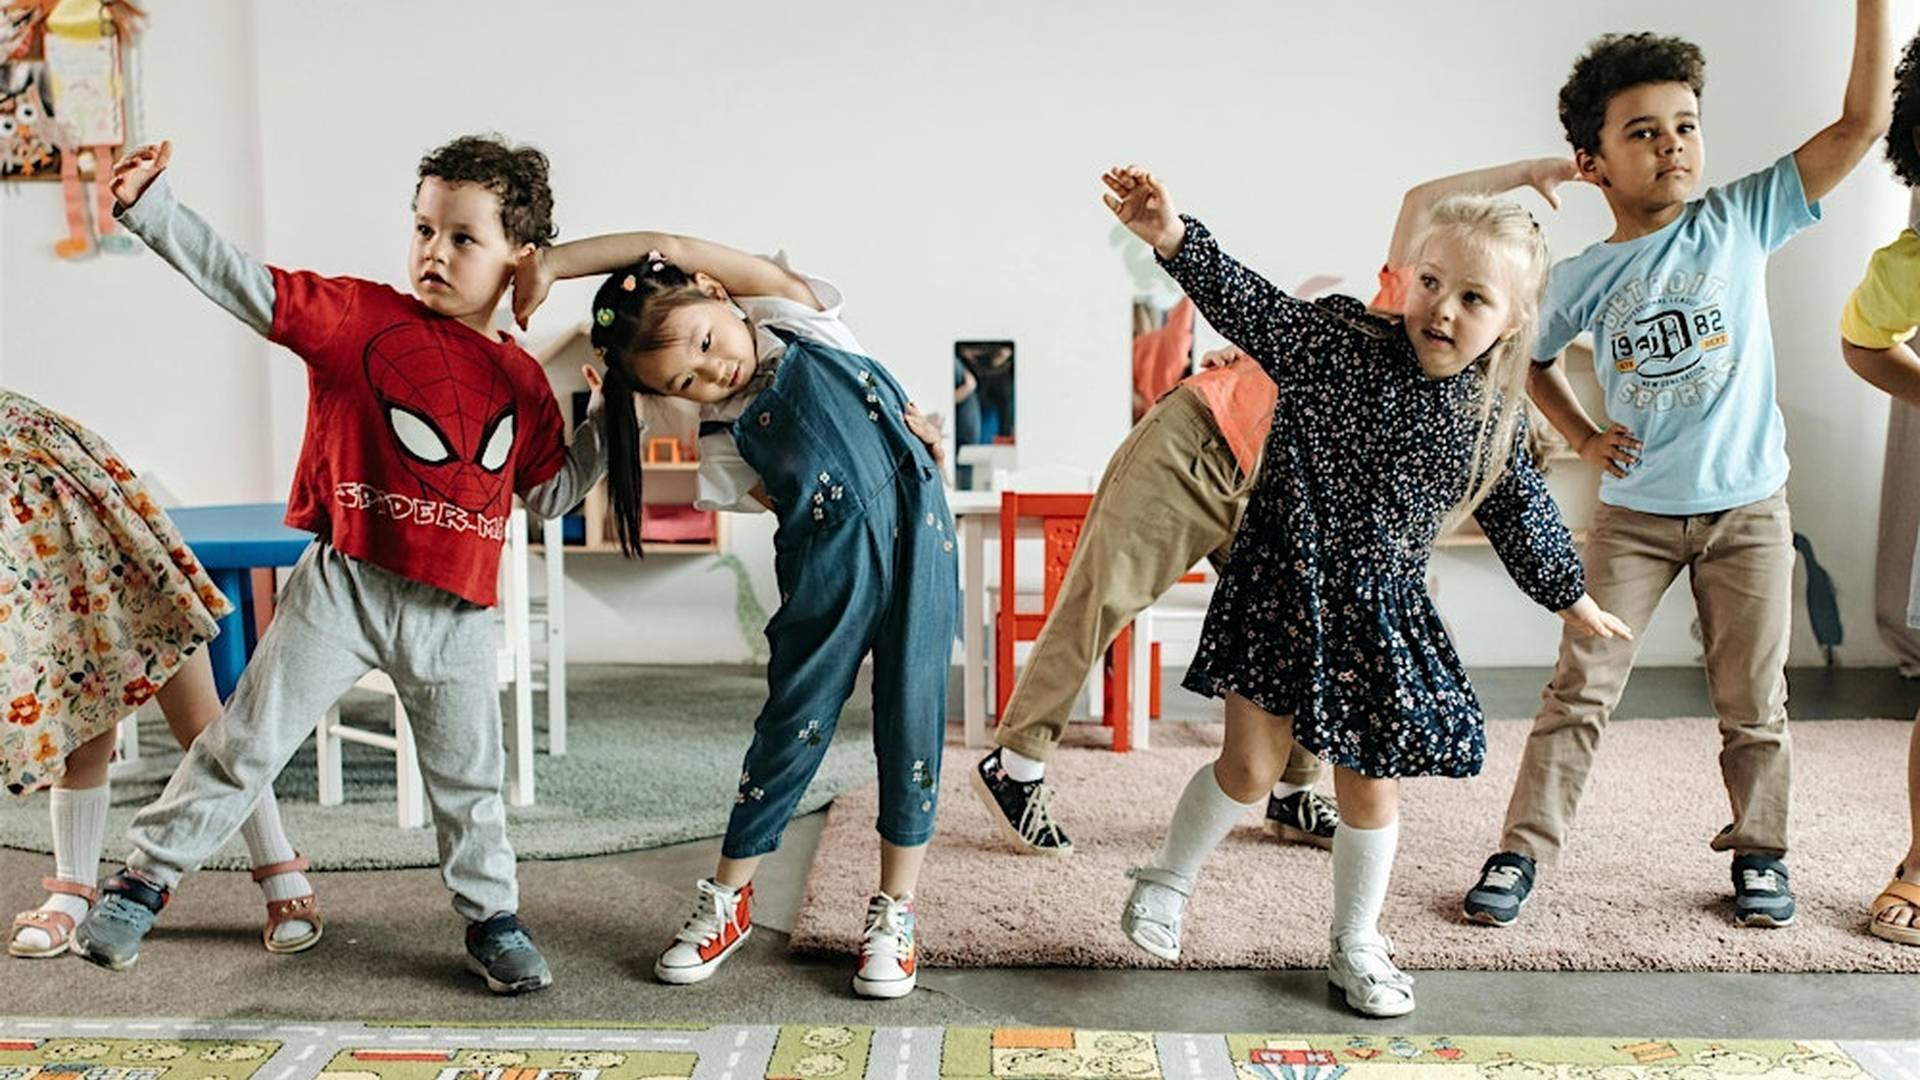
pixel 1741 566
pixel 1172 495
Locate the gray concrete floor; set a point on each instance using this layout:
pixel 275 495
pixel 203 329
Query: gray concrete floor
pixel 392 948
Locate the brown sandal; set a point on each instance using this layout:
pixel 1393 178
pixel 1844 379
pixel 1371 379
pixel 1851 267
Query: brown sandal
pixel 304 909
pixel 57 925
pixel 1897 893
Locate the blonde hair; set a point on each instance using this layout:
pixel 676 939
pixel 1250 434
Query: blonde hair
pixel 1508 236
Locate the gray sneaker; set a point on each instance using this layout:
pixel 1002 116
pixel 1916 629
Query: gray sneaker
pixel 501 951
pixel 111 933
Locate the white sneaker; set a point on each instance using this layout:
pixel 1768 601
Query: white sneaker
pixel 887 961
pixel 721 922
pixel 1361 965
pixel 1151 918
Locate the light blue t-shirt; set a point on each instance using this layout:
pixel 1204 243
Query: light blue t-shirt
pixel 1682 345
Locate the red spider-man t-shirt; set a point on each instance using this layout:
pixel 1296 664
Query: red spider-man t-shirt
pixel 419 431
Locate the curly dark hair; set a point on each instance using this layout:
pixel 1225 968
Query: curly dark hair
pixel 1902 154
pixel 1619 62
pixel 517 174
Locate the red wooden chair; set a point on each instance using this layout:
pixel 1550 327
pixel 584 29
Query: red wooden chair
pixel 1061 517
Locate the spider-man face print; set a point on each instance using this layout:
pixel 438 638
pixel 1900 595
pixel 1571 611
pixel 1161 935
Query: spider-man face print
pixel 449 408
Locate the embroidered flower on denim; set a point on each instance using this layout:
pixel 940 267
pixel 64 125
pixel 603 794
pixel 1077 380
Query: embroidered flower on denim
pixel 811 733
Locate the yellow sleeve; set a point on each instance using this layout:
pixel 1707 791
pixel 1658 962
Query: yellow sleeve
pixel 1884 309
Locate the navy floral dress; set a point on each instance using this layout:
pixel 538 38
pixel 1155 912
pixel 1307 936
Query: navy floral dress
pixel 1322 612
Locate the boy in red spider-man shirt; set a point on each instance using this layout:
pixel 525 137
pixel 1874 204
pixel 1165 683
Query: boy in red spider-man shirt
pixel 423 423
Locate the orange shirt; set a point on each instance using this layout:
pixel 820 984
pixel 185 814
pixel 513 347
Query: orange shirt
pixel 1241 397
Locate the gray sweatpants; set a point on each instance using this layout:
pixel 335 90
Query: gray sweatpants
pixel 337 619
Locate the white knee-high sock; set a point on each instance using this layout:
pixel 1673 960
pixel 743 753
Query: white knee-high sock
pixel 79 818
pixel 267 844
pixel 1362 868
pixel 79 831
pixel 1205 816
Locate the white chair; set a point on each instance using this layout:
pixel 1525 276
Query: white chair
pixel 548 617
pixel 1183 605
pixel 512 668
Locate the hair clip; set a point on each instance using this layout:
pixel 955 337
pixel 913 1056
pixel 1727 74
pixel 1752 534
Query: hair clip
pixel 604 316
pixel 629 283
pixel 657 262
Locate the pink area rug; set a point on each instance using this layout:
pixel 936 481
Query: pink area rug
pixel 1638 889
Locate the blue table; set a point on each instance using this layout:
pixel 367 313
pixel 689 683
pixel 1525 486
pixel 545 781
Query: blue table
pixel 230 541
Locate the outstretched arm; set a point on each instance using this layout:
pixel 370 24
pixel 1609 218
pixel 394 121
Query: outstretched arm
pixel 228 276
pixel 1865 112
pixel 740 273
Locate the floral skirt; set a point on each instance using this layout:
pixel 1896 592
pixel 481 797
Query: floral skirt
pixel 100 600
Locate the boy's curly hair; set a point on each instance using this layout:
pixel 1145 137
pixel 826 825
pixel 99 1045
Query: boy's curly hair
pixel 1617 62
pixel 1902 154
pixel 516 174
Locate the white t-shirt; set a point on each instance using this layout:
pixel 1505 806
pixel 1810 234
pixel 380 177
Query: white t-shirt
pixel 726 480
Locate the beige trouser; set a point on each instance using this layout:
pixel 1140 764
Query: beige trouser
pixel 1741 565
pixel 1172 495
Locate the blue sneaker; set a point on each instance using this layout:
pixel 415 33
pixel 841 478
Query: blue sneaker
pixel 501 950
pixel 1506 879
pixel 1762 894
pixel 110 935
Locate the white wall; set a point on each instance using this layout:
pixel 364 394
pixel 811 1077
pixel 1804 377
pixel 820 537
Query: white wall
pixel 943 170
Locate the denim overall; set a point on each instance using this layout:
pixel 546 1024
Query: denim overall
pixel 864 556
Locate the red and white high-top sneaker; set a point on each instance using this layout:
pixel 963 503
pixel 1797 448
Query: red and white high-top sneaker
pixel 887 961
pixel 721 921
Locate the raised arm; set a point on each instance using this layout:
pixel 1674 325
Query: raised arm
pixel 1541 174
pixel 740 273
pixel 1247 309
pixel 228 276
pixel 1865 112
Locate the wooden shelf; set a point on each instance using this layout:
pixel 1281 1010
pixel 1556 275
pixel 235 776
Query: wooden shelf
pixel 670 466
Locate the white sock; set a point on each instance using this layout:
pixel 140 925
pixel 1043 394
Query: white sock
pixel 1362 867
pixel 1205 816
pixel 267 844
pixel 79 831
pixel 1283 789
pixel 1021 767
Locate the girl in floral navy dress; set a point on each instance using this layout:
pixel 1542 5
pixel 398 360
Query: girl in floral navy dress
pixel 1321 629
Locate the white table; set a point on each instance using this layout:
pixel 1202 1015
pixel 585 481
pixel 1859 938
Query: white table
pixel 977 515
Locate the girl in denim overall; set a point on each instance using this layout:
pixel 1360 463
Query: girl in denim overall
pixel 796 420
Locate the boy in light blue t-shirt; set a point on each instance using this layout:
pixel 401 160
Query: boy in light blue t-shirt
pixel 1694 458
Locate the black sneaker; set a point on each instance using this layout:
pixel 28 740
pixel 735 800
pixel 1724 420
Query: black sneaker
pixel 1505 881
pixel 1019 809
pixel 1304 817
pixel 1762 894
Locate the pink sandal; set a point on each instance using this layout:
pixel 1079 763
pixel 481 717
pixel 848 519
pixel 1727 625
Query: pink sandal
pixel 57 925
pixel 304 909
